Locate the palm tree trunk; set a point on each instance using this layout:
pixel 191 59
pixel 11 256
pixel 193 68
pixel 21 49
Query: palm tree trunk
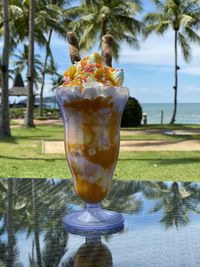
pixel 11 240
pixel 173 119
pixel 30 101
pixel 4 116
pixel 36 223
pixel 44 72
pixel 104 27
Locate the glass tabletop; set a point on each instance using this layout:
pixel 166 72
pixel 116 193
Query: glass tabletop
pixel 162 225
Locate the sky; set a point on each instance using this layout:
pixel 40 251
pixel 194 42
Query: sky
pixel 149 71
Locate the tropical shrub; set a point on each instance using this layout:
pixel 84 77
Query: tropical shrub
pixel 132 115
pixel 19 113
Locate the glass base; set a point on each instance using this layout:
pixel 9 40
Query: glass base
pixel 93 221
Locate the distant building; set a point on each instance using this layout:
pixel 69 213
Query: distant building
pixel 18 88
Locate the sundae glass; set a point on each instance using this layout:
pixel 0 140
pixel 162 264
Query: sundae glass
pixel 92 101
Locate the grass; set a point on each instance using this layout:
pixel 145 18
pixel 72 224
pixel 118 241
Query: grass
pixel 165 126
pixel 20 156
pixel 160 137
pixel 180 166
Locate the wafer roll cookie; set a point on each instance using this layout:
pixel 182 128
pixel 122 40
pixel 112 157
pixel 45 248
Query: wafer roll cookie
pixel 107 43
pixel 73 47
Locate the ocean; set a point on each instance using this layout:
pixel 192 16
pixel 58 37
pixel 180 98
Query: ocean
pixel 187 113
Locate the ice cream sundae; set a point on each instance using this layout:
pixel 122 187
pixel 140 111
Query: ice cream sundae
pixel 92 100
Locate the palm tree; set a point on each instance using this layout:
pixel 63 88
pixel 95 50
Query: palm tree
pixel 56 240
pixel 57 79
pixel 19 19
pixel 176 200
pixel 123 193
pixel 15 11
pixel 36 222
pixel 9 223
pixel 49 17
pixel 30 101
pixel 97 18
pixel 4 116
pixel 183 17
pixel 9 215
pixel 21 63
pixel 53 21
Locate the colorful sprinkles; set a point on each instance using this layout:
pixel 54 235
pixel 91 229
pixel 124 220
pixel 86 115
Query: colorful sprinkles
pixel 89 71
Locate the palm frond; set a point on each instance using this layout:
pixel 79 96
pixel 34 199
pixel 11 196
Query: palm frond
pixel 162 27
pixel 90 2
pixel 153 17
pixel 190 6
pixel 159 4
pixel 15 11
pixel 192 35
pixel 186 20
pixel 132 41
pixel 74 12
pixel 112 17
pixel 130 24
pixel 157 207
pixel 55 9
pixel 155 22
pixel 88 38
pixel 185 47
pixel 135 6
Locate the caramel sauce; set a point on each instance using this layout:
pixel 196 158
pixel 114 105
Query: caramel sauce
pixel 104 155
pixel 87 105
pixel 103 158
pixel 89 192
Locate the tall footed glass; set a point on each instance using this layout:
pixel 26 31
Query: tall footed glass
pixel 92 139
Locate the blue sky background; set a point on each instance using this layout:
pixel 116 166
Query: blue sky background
pixel 149 71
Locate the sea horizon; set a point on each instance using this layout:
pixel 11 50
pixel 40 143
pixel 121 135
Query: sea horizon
pixel 169 103
pixel 187 113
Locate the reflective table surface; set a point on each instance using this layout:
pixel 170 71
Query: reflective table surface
pixel 162 225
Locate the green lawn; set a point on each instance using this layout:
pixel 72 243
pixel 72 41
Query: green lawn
pixel 21 156
pixel 166 126
pixel 159 137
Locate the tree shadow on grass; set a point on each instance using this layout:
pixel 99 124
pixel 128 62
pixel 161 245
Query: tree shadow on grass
pixel 142 143
pixel 10 140
pixel 33 137
pixel 179 161
pixel 36 159
pixel 166 161
pixel 15 139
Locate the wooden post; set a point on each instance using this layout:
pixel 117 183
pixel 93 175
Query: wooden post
pixel 162 115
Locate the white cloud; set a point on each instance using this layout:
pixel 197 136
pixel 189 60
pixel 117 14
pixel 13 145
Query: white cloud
pixel 149 95
pixel 192 89
pixel 192 70
pixel 155 50
pixel 159 50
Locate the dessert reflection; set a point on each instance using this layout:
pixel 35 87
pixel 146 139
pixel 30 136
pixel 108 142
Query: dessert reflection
pixel 93 254
pixel 31 211
pixel 28 212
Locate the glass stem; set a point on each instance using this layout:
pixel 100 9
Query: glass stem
pixel 93 206
pixel 93 240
